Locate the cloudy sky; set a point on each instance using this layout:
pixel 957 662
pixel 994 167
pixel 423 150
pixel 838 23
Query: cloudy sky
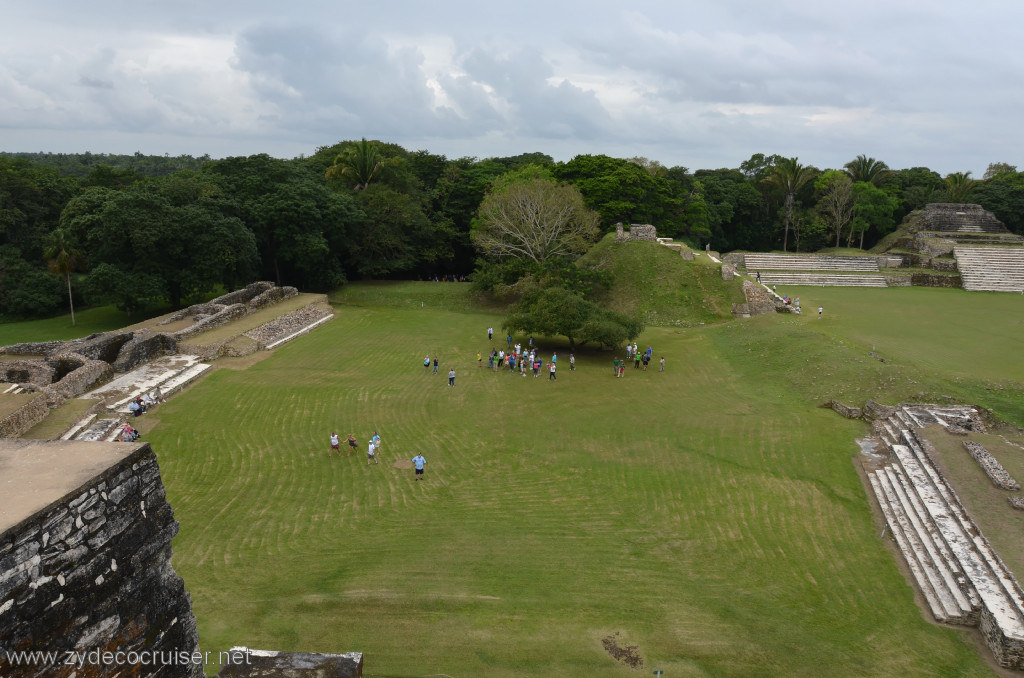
pixel 699 84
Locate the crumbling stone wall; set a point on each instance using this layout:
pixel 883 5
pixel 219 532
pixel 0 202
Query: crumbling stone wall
pixel 143 347
pixel 993 469
pixel 759 300
pixel 35 372
pixel 16 423
pixel 289 323
pixel 271 296
pixel 728 272
pixel 935 280
pixel 222 317
pixel 88 375
pixel 645 232
pixel 92 572
pixel 244 295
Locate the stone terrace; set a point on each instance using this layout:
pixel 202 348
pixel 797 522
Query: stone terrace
pixel 994 269
pixel 960 576
pixel 824 279
pixel 945 217
pixel 809 262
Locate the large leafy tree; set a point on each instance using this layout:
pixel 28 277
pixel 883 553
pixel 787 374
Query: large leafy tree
pixel 624 191
pixel 170 238
pixel 1003 195
pixel 556 311
pixel 835 204
pixel 863 168
pixel 529 215
pixel 789 176
pixel 873 211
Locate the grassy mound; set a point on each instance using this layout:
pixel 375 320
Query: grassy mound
pixel 656 283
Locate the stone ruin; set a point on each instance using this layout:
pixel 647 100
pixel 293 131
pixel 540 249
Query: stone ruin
pixel 61 370
pixel 636 232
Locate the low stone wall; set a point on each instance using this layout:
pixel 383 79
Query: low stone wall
pixel 91 572
pixel 935 280
pixel 33 348
pixel 847 411
pixel 222 317
pixel 876 411
pixel 993 469
pixel 289 323
pixel 686 253
pixel 898 281
pixel 87 376
pixel 271 296
pixel 737 259
pixel 645 232
pixel 143 347
pixel 36 372
pixel 21 420
pixel 728 272
pixel 267 664
pixel 948 265
pixel 244 295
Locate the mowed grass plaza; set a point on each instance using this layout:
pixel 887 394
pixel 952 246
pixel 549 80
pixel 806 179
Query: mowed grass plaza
pixel 711 515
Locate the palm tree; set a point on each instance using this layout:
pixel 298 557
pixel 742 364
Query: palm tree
pixel 863 168
pixel 62 259
pixel 958 186
pixel 358 163
pixel 789 176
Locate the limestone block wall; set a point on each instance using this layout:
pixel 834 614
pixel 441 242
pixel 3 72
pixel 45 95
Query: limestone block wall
pixel 143 347
pixel 728 271
pixel 244 295
pixel 645 232
pixel 222 317
pixel 88 375
pixel 271 296
pixel 21 420
pixel 91 573
pixel 34 372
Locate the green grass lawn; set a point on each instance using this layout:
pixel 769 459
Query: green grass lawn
pixel 88 321
pixel 710 514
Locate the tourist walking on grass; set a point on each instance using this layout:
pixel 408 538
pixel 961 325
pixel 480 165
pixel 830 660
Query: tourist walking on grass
pixel 335 445
pixel 479 359
pixel 820 310
pixel 451 377
pixel 426 364
pixel 418 462
pixel 371 454
pixel 435 364
pixel 629 351
pixel 490 333
pixel 615 367
pixel 551 375
pixel 352 443
pixel 376 441
pixel 661 368
pixel 572 362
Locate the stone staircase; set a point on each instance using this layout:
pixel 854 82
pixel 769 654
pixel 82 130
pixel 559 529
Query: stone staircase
pixel 170 374
pixel 994 269
pixel 808 262
pixel 823 279
pixel 958 573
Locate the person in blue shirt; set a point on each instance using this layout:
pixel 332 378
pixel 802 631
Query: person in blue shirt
pixel 418 463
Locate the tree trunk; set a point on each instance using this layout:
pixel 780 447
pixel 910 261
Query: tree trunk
pixel 71 303
pixel 789 215
pixel 862 237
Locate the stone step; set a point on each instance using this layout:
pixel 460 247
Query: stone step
pixel 304 330
pixel 895 528
pixel 100 430
pixel 80 425
pixel 990 584
pixel 184 378
pixel 936 577
pixel 820 280
pixel 952 578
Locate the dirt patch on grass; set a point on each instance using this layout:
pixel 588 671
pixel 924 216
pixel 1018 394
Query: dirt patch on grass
pixel 627 654
pixel 403 463
pixel 242 362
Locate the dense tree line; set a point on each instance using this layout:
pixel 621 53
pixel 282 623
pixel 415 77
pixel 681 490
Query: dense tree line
pixel 136 230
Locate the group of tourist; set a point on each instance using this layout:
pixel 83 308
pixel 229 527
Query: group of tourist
pixel 372 449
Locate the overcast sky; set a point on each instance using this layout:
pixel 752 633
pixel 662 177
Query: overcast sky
pixel 700 84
